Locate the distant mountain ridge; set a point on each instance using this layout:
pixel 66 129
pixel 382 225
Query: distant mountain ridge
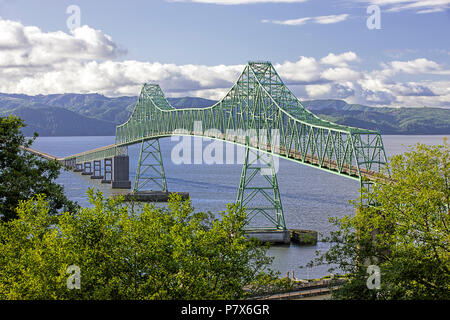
pixel 416 121
pixel 54 121
pixel 95 114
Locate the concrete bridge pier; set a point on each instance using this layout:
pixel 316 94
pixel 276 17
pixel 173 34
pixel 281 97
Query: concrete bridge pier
pixel 87 170
pixel 121 173
pixel 273 236
pixel 70 164
pixel 276 236
pixel 97 174
pixel 78 167
pixel 116 171
pixel 107 170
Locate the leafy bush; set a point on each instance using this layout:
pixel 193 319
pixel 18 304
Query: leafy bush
pixel 154 253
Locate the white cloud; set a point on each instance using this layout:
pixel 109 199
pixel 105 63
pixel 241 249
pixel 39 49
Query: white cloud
pixel 441 97
pixel 120 78
pixel 379 88
pixel 420 65
pixel 412 89
pixel 341 90
pixel 305 70
pixel 292 22
pixel 85 61
pixel 331 18
pixel 340 74
pixel 419 6
pixel 25 46
pixel 316 91
pixel 417 67
pixel 320 20
pixel 340 60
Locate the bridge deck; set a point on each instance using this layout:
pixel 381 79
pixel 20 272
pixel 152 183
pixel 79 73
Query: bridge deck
pixel 88 152
pixel 331 166
pixel 258 102
pixel 41 154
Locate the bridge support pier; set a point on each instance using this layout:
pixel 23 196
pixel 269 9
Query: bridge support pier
pixel 368 185
pixel 261 198
pixel 97 174
pixel 107 170
pixel 70 164
pixel 87 171
pixel 121 173
pixel 270 236
pixel 78 167
pixel 150 167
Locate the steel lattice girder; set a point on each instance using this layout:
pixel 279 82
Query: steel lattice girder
pixel 150 167
pixel 259 102
pixel 256 165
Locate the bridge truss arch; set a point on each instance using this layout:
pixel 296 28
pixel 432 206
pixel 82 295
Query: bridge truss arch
pixel 258 112
pixel 257 104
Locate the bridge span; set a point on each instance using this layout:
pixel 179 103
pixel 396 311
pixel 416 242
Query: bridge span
pixel 259 113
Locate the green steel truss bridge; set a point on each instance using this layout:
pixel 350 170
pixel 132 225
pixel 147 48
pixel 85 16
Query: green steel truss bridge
pixel 259 113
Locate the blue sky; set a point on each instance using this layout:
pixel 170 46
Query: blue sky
pixel 322 49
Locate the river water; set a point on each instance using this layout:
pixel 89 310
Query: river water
pixel 309 196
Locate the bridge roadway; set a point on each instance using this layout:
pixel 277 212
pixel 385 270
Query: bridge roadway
pixel 351 171
pixel 42 154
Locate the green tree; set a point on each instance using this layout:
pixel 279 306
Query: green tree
pixel 23 175
pixel 406 234
pixel 152 253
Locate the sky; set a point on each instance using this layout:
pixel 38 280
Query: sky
pixel 392 53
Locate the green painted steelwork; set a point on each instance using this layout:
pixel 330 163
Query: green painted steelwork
pixel 98 154
pixel 150 167
pixel 260 113
pixel 258 198
pixel 258 101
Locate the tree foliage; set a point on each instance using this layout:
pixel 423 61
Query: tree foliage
pixel 23 175
pixel 153 253
pixel 406 234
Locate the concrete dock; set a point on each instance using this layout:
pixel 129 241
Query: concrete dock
pixel 152 196
pixel 303 237
pixel 274 236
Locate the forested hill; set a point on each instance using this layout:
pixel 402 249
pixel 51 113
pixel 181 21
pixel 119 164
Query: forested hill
pixel 387 120
pixel 95 114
